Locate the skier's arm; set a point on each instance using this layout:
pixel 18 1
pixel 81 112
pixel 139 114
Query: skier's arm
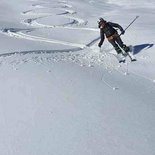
pixel 117 26
pixel 102 38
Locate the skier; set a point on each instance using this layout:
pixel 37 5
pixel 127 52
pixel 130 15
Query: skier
pixel 108 29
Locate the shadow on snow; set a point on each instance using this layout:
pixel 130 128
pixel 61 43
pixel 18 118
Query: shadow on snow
pixel 139 48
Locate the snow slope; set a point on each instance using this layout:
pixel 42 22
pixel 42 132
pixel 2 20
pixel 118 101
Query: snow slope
pixel 60 95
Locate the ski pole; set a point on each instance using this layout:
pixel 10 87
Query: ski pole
pixel 130 24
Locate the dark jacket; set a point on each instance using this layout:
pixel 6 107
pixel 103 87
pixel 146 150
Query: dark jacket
pixel 109 30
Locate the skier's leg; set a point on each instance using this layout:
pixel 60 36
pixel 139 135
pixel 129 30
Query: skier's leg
pixel 116 47
pixel 122 45
pixel 120 56
pixel 125 48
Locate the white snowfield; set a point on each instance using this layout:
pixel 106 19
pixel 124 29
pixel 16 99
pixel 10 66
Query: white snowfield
pixel 61 95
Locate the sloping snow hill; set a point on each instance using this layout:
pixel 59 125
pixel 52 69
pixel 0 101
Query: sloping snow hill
pixel 60 95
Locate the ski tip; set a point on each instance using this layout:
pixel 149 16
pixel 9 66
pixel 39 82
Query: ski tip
pixel 122 61
pixel 134 60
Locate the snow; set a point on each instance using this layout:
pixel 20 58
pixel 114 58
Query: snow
pixel 61 95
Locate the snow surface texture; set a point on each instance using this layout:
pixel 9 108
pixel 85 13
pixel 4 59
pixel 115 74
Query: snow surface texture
pixel 61 95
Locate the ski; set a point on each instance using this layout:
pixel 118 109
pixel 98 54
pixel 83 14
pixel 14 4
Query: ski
pixel 130 54
pixel 122 57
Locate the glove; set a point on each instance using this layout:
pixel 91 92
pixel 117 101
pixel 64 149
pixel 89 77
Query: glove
pixel 99 45
pixel 122 32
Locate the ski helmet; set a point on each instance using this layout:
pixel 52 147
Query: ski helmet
pixel 101 21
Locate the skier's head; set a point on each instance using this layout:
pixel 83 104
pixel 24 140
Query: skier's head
pixel 101 22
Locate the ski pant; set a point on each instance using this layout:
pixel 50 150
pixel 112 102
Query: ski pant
pixel 117 43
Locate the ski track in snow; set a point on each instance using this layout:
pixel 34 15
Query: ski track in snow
pixel 77 54
pixel 13 32
pixel 33 22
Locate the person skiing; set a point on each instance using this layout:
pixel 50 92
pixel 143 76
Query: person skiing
pixel 108 29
